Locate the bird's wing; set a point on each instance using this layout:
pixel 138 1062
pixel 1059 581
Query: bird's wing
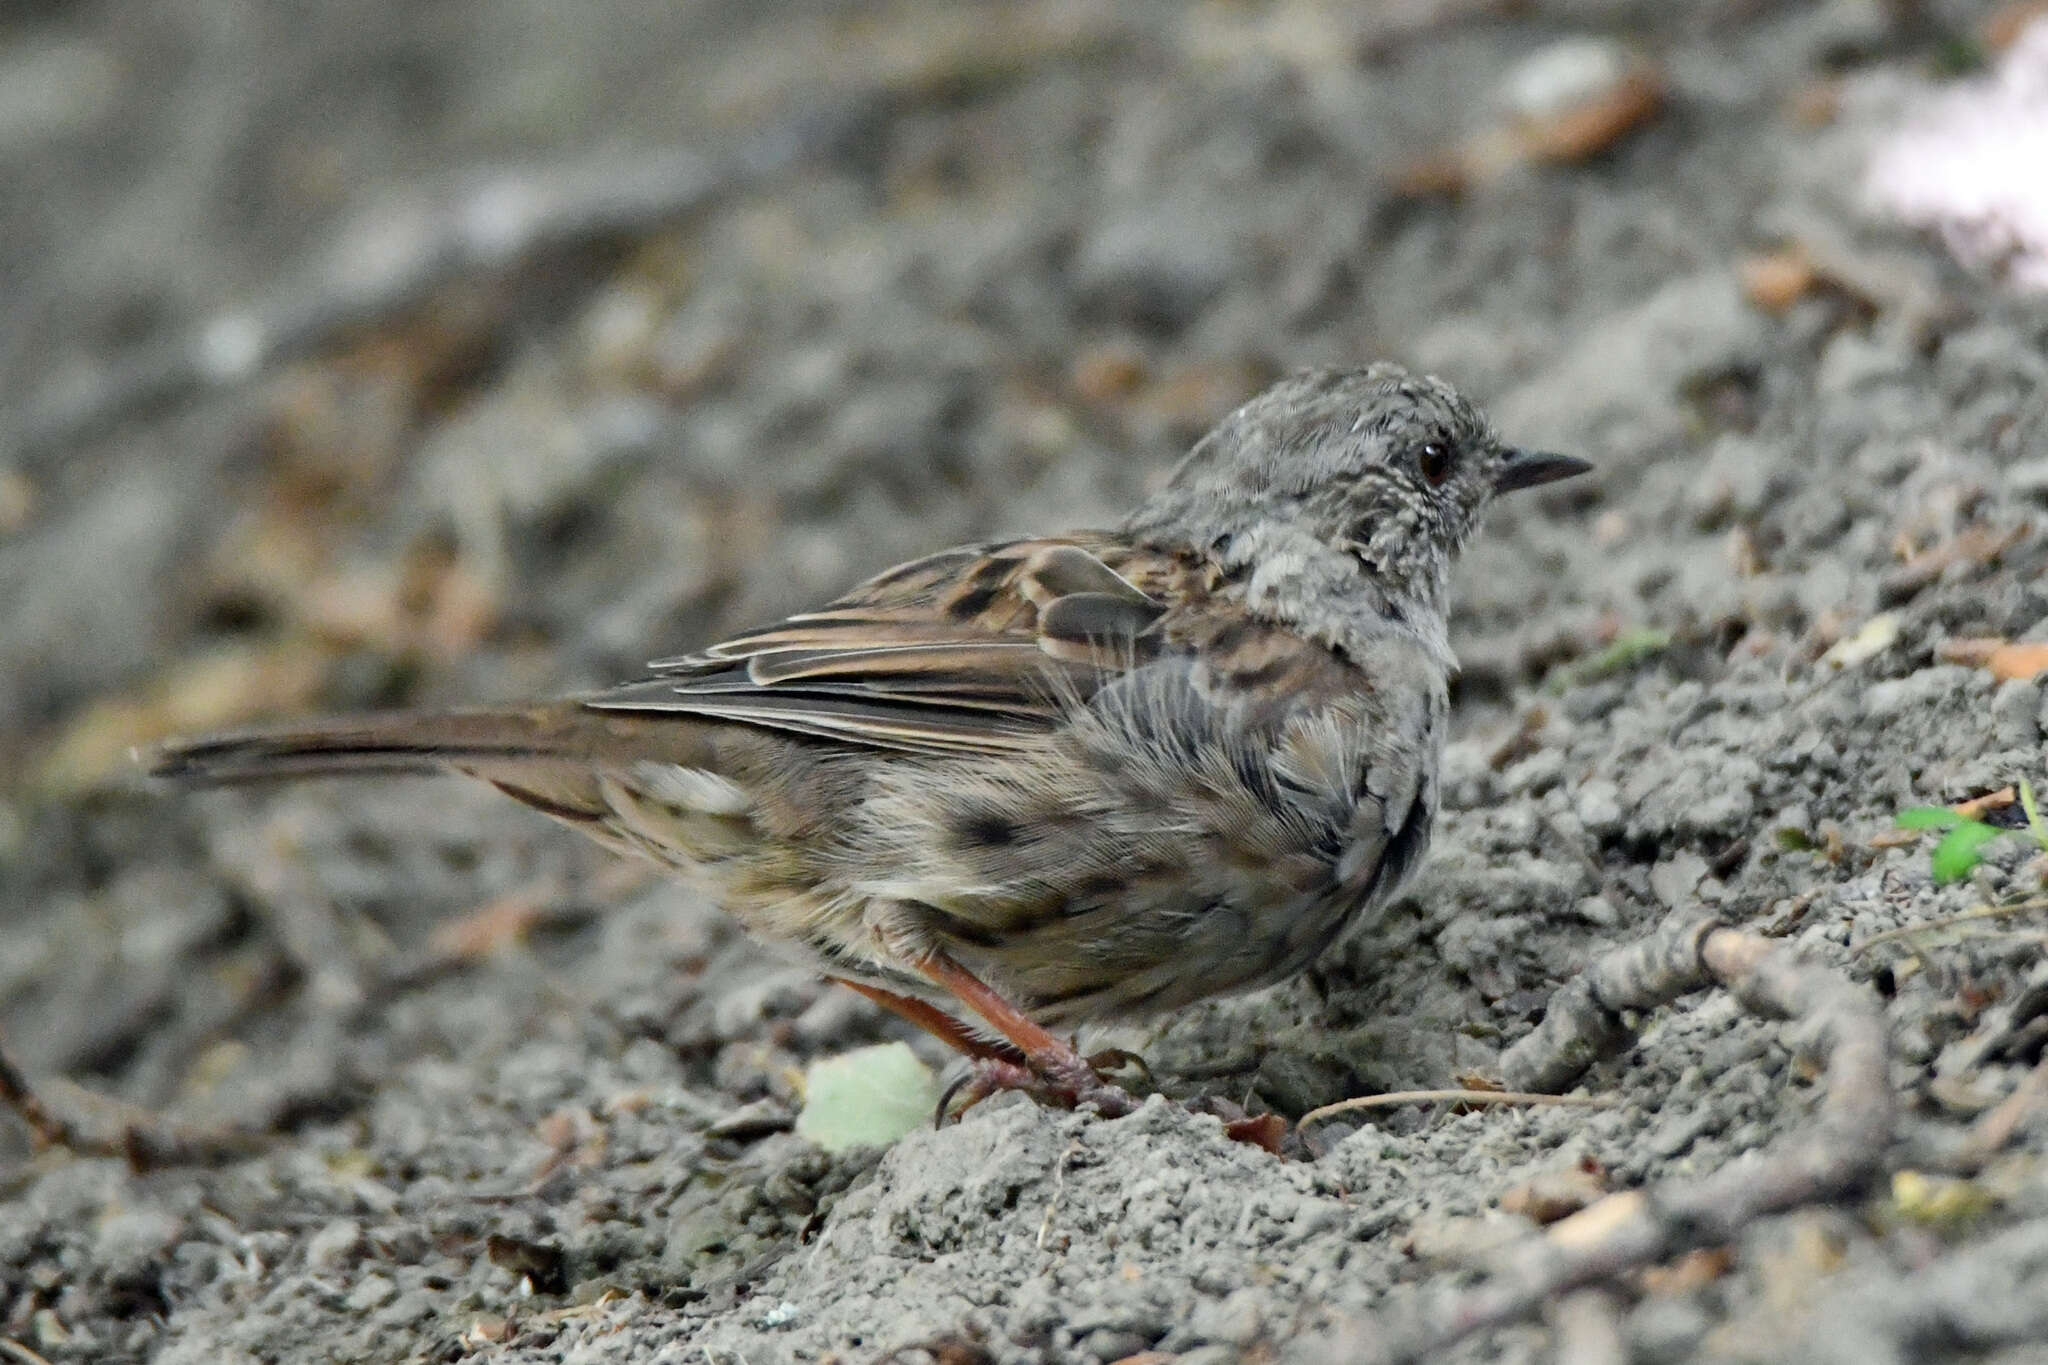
pixel 974 650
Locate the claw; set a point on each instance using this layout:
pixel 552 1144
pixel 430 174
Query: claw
pixel 987 1076
pixel 1117 1059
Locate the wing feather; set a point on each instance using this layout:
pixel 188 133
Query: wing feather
pixel 973 650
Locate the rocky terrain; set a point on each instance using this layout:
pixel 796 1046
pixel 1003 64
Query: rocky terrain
pixel 397 354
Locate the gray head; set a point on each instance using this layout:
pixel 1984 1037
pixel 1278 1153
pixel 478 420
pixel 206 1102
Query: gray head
pixel 1340 498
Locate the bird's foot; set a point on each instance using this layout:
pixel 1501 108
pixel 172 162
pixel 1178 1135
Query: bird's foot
pixel 1069 1083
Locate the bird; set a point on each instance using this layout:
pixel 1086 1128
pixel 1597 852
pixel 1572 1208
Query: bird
pixel 1035 784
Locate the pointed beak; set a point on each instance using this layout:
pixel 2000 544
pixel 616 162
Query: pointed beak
pixel 1528 468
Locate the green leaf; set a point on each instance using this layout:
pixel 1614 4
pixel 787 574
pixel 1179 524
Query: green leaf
pixel 1930 817
pixel 1959 850
pixel 2034 821
pixel 1629 648
pixel 866 1098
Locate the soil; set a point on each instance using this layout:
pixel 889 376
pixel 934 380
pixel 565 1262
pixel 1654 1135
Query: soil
pixel 393 354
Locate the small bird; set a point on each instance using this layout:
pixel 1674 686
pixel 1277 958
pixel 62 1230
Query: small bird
pixel 1038 783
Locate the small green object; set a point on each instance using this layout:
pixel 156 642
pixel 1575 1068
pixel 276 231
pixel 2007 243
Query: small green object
pixel 1794 840
pixel 2034 821
pixel 1930 817
pixel 1628 649
pixel 1957 55
pixel 1960 850
pixel 866 1098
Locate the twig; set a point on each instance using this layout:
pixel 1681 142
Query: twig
pixel 15 1092
pixel 21 1352
pixel 1837 1152
pixel 1997 1125
pixel 1907 931
pixel 1059 1190
pixel 1394 1098
pixel 144 1140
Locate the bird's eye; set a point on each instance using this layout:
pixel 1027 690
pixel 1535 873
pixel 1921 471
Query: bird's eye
pixel 1435 461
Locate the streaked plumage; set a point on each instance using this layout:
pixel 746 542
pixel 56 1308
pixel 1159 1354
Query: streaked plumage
pixel 1107 773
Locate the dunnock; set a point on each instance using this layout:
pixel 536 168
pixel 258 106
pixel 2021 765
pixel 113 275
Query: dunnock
pixel 1090 776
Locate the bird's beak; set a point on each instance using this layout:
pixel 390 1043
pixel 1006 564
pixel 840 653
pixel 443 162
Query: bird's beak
pixel 1528 468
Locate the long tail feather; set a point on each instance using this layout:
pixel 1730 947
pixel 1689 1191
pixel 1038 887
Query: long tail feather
pixel 398 742
pixel 486 743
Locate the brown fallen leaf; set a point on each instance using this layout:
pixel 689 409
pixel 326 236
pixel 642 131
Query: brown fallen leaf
pixel 2004 25
pixel 1694 1270
pixel 1552 1195
pixel 1588 97
pixel 2024 662
pixel 476 935
pixel 1974 544
pixel 1815 105
pixel 17 501
pixel 1976 806
pixel 2005 659
pixel 1775 280
pixel 1592 126
pixel 1107 374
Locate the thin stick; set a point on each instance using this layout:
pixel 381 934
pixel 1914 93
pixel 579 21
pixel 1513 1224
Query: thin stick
pixel 144 1140
pixel 17 1094
pixel 1992 1131
pixel 1395 1098
pixel 1906 931
pixel 1834 1155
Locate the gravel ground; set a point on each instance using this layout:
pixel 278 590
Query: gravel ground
pixel 389 354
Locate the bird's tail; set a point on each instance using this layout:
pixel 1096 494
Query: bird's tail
pixel 551 756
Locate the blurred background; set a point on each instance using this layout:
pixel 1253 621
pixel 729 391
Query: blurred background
pixel 366 356
pixel 404 353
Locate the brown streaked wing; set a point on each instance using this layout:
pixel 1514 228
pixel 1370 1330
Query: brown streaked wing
pixel 968 651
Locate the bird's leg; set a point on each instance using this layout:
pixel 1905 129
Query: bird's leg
pixel 1055 1069
pixel 938 1023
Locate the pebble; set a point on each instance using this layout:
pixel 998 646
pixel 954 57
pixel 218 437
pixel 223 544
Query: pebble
pixel 372 1291
pixel 334 1245
pixel 2015 712
pixel 1599 807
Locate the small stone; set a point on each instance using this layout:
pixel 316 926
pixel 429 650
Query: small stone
pixel 2015 712
pixel 1597 911
pixel 372 1291
pixel 1599 806
pixel 1676 880
pixel 1110 1343
pixel 334 1245
pixel 1238 1320
pixel 751 1121
pixel 1536 774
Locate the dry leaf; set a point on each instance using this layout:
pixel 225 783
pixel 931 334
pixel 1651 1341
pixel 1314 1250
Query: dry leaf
pixel 1552 1195
pixel 495 924
pixel 2004 25
pixel 1106 374
pixel 1877 635
pixel 1694 1270
pixel 2004 659
pixel 1776 280
pixel 17 500
pixel 1568 102
pixel 1976 806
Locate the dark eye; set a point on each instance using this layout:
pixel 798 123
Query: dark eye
pixel 1435 461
